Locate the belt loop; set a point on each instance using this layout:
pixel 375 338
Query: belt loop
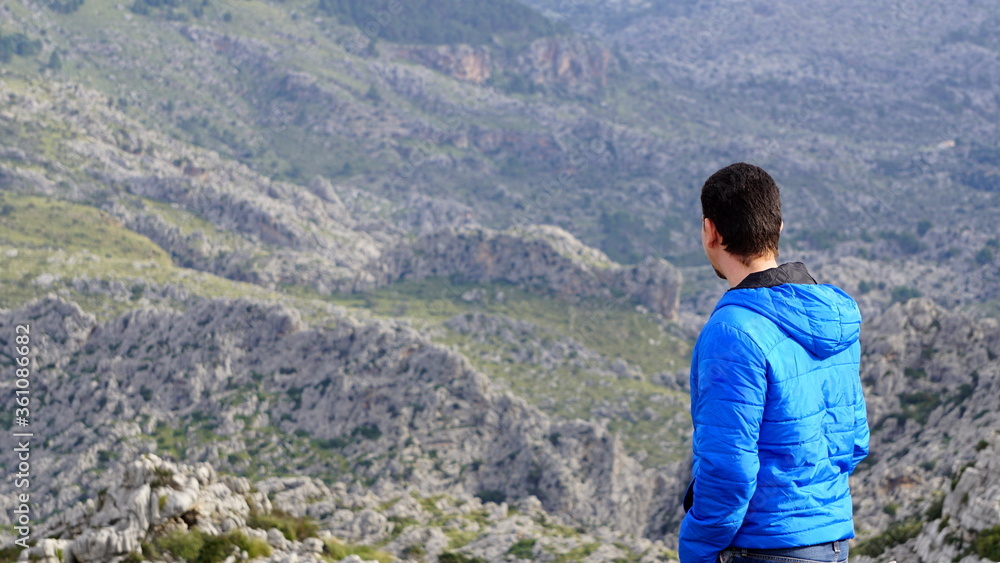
pixel 836 547
pixel 743 552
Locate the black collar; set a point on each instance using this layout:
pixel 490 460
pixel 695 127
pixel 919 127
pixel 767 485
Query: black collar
pixel 791 272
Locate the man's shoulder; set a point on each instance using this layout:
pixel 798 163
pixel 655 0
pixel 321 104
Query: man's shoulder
pixel 732 323
pixel 731 326
pixel 737 316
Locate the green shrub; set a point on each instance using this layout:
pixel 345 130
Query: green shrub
pixel 183 545
pixel 492 495
pixel 923 226
pixel 255 547
pixel 18 44
pixel 163 477
pixel 294 528
pixel 413 552
pixel 65 6
pixel 985 256
pixel 214 549
pixel 902 293
pixel 10 553
pixel 367 431
pixel 336 551
pixel 898 532
pixel 934 511
pixel 987 544
pixel 452 557
pixel 149 550
pixel 907 242
pixel 919 405
pixel 195 546
pixel 523 549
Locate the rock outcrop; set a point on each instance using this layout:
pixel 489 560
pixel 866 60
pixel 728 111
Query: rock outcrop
pixel 149 500
pixel 464 62
pixel 542 255
pixel 561 64
pixel 572 64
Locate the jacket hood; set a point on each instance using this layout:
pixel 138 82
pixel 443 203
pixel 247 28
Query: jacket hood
pixel 822 318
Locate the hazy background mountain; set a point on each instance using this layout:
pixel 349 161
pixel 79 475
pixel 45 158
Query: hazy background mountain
pixel 397 264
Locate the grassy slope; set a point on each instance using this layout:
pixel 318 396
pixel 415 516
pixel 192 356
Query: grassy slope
pixel 47 243
pixel 612 329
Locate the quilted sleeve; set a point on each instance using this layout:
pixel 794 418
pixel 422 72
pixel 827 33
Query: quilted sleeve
pixel 861 432
pixel 728 397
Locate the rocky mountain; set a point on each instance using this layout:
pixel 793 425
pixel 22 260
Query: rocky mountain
pixel 320 280
pixel 932 382
pixel 249 388
pixel 179 508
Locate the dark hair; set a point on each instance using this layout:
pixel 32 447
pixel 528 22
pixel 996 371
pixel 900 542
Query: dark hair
pixel 743 202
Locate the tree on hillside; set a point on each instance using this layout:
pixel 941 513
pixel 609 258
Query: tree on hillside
pixel 55 62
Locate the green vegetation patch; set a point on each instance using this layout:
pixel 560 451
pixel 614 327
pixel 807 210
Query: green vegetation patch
pixel 10 554
pixel 440 22
pixel 195 546
pixel 987 544
pixel 171 10
pixel 577 553
pixel 46 244
pixel 897 533
pixel 334 550
pixel 610 327
pixel 34 222
pixel 919 405
pixel 455 557
pixel 294 528
pixel 18 44
pixel 523 549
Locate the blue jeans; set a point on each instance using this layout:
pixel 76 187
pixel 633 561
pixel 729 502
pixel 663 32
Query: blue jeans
pixel 831 552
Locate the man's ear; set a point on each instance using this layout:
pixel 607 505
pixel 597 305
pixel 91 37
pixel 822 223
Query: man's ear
pixel 712 236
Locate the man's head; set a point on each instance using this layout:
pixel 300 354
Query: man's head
pixel 741 205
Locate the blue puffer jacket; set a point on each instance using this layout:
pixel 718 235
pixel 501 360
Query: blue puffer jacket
pixel 779 421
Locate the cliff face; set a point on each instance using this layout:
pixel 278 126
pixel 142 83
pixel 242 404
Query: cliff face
pixel 565 64
pixel 463 62
pixel 572 64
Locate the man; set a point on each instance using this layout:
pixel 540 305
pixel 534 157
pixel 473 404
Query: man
pixel 779 416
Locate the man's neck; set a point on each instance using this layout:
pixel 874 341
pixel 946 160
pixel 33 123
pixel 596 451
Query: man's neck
pixel 736 271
